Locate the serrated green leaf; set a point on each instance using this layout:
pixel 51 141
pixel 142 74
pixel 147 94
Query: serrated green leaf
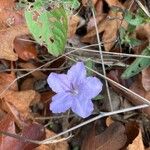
pixel 138 65
pixel 48 28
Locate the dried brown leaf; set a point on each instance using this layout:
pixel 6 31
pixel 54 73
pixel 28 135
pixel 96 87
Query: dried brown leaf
pixel 109 27
pixel 22 100
pixel 143 32
pixel 11 109
pixel 7 124
pixel 6 79
pixel 56 146
pixel 146 79
pixel 112 3
pixel 7 37
pixel 36 74
pixel 73 23
pixel 33 131
pixel 26 50
pixel 9 15
pixel 113 137
pixel 135 141
pixel 28 84
pixel 136 87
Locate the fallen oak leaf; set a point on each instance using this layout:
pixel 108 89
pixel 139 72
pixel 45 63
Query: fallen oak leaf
pixel 7 37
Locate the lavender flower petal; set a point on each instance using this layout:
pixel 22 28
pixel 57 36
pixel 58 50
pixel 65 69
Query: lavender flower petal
pixel 82 107
pixel 90 88
pixel 77 73
pixel 61 102
pixel 58 82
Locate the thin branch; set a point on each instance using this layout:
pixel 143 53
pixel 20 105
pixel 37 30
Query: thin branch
pixel 101 56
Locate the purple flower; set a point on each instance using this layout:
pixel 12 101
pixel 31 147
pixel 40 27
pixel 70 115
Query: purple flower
pixel 74 90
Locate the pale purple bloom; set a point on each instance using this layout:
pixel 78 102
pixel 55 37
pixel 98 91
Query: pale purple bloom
pixel 74 90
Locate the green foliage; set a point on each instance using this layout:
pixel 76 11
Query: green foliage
pixel 133 21
pixel 47 21
pixel 127 40
pixel 89 63
pixel 138 65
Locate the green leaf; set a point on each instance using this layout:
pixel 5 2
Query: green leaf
pixel 134 42
pixel 48 28
pixel 133 20
pixel 89 63
pixel 99 97
pixel 138 65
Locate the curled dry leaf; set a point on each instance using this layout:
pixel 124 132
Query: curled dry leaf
pixel 73 23
pixel 25 49
pixel 7 37
pixel 114 136
pixel 137 143
pixel 143 32
pixel 135 140
pixel 55 146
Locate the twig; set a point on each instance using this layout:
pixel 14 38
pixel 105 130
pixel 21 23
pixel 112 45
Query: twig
pixel 143 8
pixel 111 53
pixel 101 56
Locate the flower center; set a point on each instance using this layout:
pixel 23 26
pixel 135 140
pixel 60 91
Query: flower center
pixel 74 92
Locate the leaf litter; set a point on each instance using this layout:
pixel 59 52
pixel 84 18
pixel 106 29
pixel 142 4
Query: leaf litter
pixel 24 109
